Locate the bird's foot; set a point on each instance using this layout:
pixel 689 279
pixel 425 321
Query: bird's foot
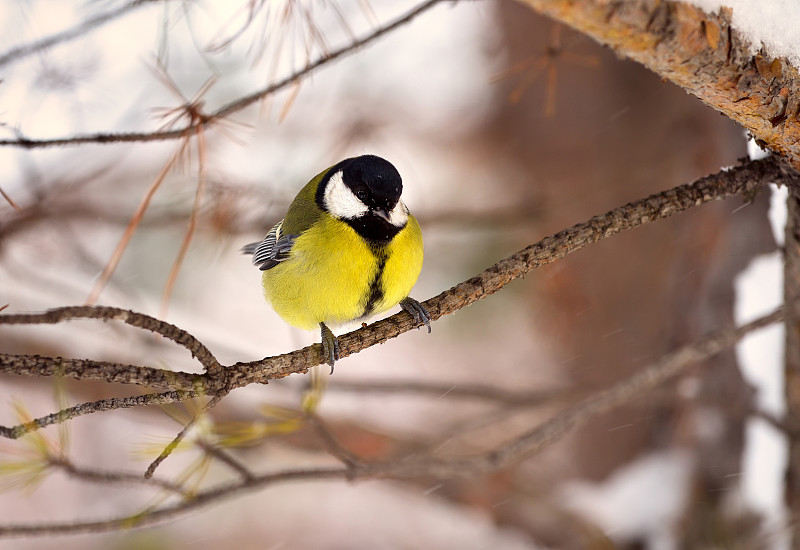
pixel 330 345
pixel 417 311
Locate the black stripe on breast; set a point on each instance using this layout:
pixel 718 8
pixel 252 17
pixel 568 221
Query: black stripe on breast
pixel 376 285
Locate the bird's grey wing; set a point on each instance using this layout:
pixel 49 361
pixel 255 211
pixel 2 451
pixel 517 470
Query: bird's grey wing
pixel 272 250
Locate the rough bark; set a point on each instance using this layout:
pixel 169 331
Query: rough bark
pixel 701 53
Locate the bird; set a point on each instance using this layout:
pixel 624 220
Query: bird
pixel 347 249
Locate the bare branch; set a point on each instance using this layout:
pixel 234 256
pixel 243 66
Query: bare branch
pixel 226 459
pixel 18 52
pixel 96 406
pixel 86 369
pixel 635 386
pixel 411 467
pixel 744 179
pixel 181 434
pixel 623 392
pixel 790 429
pixel 230 108
pixel 332 444
pixel 460 390
pixel 138 320
pixel 169 512
pixel 125 478
pixel 9 200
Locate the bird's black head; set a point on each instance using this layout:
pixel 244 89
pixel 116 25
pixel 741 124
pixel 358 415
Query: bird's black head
pixel 373 180
pixel 365 193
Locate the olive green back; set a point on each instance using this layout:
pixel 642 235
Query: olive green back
pixel 303 211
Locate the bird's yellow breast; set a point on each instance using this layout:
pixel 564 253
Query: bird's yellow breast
pixel 334 276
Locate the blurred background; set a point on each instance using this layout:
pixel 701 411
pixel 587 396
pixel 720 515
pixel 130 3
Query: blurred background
pixel 506 127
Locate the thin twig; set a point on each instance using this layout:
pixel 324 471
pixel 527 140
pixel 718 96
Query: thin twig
pixel 181 434
pixel 789 429
pixel 101 405
pixel 9 200
pixel 226 459
pixel 127 478
pixel 556 427
pixel 634 386
pixel 334 447
pixel 23 50
pixel 459 390
pixel 169 512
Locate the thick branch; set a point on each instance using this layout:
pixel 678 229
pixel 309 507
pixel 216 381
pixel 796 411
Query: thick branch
pixel 743 179
pixel 701 53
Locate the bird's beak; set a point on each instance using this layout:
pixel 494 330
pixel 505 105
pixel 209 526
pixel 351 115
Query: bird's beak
pixel 382 213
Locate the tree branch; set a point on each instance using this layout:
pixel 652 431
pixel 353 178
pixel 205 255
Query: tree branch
pixel 181 434
pixel 533 398
pixel 105 371
pixel 126 478
pixel 411 467
pixel 744 179
pixel 102 405
pixel 226 459
pixel 170 512
pixel 138 320
pixel 620 393
pixel 23 50
pixel 701 53
pixel 230 108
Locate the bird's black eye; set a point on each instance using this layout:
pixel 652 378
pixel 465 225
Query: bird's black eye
pixel 361 194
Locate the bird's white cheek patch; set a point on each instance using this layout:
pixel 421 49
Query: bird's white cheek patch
pixel 399 214
pixel 340 201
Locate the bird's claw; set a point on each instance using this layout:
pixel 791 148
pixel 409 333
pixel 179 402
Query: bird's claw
pixel 417 311
pixel 330 346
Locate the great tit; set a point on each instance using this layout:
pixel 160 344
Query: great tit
pixel 347 249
